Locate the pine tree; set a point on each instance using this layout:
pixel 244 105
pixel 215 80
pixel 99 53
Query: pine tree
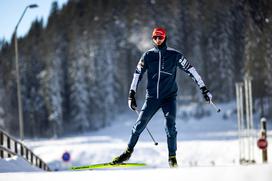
pixel 79 98
pixel 78 66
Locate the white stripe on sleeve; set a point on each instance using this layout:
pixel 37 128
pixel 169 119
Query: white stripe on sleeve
pixel 196 76
pixel 134 82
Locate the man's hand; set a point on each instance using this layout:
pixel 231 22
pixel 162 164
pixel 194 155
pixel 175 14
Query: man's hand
pixel 131 100
pixel 206 94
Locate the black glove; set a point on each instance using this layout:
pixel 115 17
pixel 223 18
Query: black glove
pixel 131 100
pixel 206 94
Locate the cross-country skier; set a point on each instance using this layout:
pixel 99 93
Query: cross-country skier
pixel 161 63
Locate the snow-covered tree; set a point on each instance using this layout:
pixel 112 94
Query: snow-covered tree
pixel 79 97
pixel 76 68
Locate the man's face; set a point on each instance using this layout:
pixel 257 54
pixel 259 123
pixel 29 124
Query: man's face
pixel 158 40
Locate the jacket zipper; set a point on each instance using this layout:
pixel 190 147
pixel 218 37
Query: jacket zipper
pixel 159 75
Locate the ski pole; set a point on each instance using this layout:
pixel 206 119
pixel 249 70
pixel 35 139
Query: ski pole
pixel 155 143
pixel 215 107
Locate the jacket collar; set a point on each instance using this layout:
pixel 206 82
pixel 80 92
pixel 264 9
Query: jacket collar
pixel 163 46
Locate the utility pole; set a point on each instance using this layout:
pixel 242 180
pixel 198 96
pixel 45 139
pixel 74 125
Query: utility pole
pixel 20 107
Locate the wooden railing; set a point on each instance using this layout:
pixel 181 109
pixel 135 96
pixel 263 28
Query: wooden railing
pixel 9 146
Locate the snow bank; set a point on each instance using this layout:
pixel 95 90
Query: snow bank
pixel 16 164
pixel 207 150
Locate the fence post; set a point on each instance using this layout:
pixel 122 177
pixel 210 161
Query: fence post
pixel 27 152
pixel 246 130
pixel 264 136
pixel 16 147
pixel 37 160
pixel 1 144
pixel 8 144
pixel 239 121
pixel 40 164
pixel 22 150
pixel 249 117
pixel 31 158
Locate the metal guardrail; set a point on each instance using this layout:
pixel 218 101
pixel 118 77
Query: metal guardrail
pixel 10 146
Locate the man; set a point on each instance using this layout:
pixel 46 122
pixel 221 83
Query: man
pixel 161 63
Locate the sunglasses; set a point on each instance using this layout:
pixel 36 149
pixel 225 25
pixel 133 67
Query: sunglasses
pixel 158 37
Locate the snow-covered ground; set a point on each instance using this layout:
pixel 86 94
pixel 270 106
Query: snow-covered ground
pixel 16 164
pixel 207 150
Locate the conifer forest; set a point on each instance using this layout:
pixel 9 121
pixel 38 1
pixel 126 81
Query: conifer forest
pixel 76 69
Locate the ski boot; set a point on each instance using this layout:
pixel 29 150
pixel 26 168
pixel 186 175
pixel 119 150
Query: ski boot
pixel 172 162
pixel 123 157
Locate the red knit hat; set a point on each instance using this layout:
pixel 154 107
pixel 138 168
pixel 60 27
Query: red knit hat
pixel 159 32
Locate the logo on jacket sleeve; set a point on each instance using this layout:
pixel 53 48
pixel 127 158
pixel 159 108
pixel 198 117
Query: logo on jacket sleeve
pixel 183 61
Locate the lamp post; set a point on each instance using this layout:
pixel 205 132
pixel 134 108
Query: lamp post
pixel 20 109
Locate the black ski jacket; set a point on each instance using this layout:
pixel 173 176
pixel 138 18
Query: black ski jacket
pixel 161 66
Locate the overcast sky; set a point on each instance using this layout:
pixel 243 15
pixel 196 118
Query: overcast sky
pixel 11 11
